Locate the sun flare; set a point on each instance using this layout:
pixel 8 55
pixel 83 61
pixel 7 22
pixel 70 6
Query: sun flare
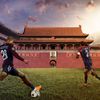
pixel 91 24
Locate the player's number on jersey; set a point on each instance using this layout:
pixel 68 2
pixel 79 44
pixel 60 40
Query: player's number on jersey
pixel 4 54
pixel 87 53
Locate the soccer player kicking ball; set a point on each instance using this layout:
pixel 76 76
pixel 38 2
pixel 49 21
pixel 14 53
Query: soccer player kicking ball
pixel 84 51
pixel 7 52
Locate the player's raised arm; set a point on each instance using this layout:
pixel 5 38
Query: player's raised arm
pixel 15 54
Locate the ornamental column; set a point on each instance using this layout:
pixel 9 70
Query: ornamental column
pixel 58 46
pixel 65 47
pixel 47 46
pixel 39 46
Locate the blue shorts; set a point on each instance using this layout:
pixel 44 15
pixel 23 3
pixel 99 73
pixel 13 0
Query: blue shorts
pixel 88 64
pixel 10 70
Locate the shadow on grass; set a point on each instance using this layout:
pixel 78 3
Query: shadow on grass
pixel 9 96
pixel 44 96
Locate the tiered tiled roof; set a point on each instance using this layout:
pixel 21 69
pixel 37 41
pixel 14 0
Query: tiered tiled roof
pixel 54 35
pixel 68 40
pixel 53 31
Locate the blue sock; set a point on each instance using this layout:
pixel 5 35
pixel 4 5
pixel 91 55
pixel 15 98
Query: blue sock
pixel 32 87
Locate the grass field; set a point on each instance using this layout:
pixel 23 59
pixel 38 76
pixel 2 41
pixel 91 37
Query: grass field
pixel 58 84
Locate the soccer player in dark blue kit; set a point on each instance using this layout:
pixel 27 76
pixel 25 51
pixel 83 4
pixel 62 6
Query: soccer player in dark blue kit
pixel 7 51
pixel 84 51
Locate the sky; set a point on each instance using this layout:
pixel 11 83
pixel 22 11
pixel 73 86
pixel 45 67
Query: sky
pixel 15 14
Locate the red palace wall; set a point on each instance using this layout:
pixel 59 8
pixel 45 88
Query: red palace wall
pixel 65 59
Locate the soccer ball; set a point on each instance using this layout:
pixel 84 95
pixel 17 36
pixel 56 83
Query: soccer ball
pixel 78 53
pixel 35 93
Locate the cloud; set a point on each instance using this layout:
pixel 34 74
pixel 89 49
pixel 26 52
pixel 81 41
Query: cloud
pixel 32 18
pixel 79 18
pixel 90 6
pixel 43 5
pixel 15 13
pixel 91 3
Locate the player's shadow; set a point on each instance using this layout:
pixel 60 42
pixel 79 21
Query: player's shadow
pixel 44 96
pixel 9 96
pixel 48 96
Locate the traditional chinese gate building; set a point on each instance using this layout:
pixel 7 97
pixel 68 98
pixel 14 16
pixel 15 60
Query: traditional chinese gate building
pixel 51 38
pixel 41 45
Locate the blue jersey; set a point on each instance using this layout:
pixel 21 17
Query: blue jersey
pixel 7 52
pixel 85 54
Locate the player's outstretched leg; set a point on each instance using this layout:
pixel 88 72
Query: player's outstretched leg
pixel 93 73
pixel 3 75
pixel 86 76
pixel 35 90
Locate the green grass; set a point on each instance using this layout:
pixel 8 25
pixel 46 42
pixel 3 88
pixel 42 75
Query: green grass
pixel 58 84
